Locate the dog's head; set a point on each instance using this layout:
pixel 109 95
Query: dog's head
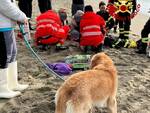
pixel 101 59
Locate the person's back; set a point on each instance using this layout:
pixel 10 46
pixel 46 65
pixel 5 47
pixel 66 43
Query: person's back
pixel 49 29
pixel 91 27
pixel 46 23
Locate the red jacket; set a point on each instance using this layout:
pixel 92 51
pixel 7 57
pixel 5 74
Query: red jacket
pixel 49 25
pixel 91 25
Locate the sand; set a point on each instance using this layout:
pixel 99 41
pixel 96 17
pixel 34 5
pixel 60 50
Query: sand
pixel 133 73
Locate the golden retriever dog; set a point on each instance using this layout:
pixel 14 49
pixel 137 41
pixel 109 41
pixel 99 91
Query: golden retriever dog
pixel 87 89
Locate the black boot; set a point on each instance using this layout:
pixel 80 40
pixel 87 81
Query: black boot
pixel 142 49
pixel 61 47
pixel 88 49
pixel 99 48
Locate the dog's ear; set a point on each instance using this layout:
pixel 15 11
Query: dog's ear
pixel 94 61
pixel 100 58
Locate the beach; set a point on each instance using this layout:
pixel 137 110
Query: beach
pixel 133 94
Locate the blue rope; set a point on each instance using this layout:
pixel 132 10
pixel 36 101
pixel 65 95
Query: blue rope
pixel 21 26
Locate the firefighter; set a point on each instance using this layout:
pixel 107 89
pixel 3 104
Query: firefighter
pixel 92 29
pixel 49 30
pixel 124 9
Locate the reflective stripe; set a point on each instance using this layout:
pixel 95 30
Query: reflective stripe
pixel 92 26
pixel 110 18
pixel 126 35
pixel 118 41
pixel 126 32
pixel 145 40
pixel 46 20
pixel 91 33
pixel 47 25
pixel 121 28
pixel 61 30
pixel 121 32
pixel 127 42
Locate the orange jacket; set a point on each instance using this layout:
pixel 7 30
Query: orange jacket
pixel 49 25
pixel 91 26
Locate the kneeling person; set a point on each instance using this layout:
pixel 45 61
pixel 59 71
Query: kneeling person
pixel 92 29
pixel 49 30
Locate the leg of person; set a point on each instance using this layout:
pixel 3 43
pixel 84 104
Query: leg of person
pixel 76 7
pixel 120 41
pixel 88 49
pixel 24 7
pixel 121 29
pixel 144 35
pixel 5 92
pixel 42 5
pixel 49 5
pixel 80 7
pixel 12 66
pixel 30 8
pixel 99 48
pixel 73 9
pixel 30 13
pixel 62 36
pixel 115 26
pixel 127 24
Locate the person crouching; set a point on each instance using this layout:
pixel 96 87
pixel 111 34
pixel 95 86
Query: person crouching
pixel 92 29
pixel 50 30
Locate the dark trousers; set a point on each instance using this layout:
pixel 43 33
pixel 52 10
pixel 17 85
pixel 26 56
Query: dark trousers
pixel 76 7
pixel 115 25
pixel 26 7
pixel 144 34
pixel 146 29
pixel 44 5
pixel 124 28
pixel 8 48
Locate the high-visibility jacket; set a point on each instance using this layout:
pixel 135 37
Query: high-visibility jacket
pixel 91 26
pixel 49 25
